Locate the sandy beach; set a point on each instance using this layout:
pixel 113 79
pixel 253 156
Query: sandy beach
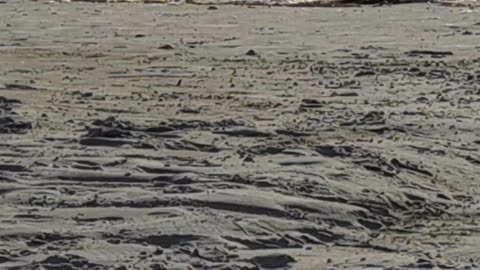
pixel 224 137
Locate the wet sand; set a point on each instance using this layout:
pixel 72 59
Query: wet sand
pixel 189 137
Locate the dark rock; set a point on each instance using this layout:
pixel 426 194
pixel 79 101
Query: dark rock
pixel 166 47
pixel 251 53
pixel 272 261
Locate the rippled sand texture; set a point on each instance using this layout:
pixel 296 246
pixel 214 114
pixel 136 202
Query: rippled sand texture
pixel 288 3
pixel 155 137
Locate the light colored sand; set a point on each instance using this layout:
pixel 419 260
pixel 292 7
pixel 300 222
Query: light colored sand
pixel 349 139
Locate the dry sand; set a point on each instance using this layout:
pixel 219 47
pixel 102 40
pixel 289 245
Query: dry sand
pixel 188 137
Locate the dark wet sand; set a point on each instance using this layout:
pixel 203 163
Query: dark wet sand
pixel 164 137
